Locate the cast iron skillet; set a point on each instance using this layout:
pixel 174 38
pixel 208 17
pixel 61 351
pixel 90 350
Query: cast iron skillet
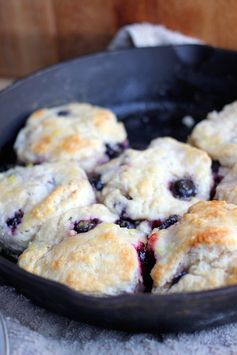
pixel 151 89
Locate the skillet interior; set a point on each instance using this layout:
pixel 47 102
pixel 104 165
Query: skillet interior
pixel 151 89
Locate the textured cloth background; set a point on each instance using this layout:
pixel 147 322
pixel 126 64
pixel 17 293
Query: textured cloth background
pixel 35 331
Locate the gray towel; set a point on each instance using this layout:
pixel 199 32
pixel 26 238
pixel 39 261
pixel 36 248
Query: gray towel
pixel 35 331
pixel 146 35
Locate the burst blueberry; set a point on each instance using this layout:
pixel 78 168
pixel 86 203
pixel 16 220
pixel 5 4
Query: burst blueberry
pixel 96 182
pixel 169 221
pixel 84 226
pixel 166 223
pixel 113 151
pixel 127 223
pixel 147 261
pixel 14 221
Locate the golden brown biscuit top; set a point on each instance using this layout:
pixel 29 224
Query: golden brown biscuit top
pixel 74 131
pixel 103 261
pixel 74 221
pixel 217 135
pixel 203 242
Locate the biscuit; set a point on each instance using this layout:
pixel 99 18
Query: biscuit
pixel 217 135
pixel 89 134
pixel 156 184
pixel 31 195
pixel 103 261
pixel 227 188
pixel 199 252
pixel 74 221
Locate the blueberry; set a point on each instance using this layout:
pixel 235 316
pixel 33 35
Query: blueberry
pixel 64 113
pixel 84 226
pixel 177 277
pixel 127 223
pixel 147 261
pixel 215 166
pixel 14 221
pixel 184 189
pixel 166 223
pixel 96 182
pixel 113 151
pixel 169 221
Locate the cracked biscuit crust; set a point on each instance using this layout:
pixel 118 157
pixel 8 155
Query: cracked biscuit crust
pixel 199 252
pixel 32 195
pixel 103 261
pixel 138 184
pixel 74 221
pixel 74 131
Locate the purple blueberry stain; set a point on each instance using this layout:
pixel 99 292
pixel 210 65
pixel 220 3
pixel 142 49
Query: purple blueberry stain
pixel 166 223
pixel 14 221
pixel 96 182
pixel 114 150
pixel 215 166
pixel 63 113
pixel 147 261
pixel 83 226
pixel 177 277
pixel 127 223
pixel 183 189
pixel 216 177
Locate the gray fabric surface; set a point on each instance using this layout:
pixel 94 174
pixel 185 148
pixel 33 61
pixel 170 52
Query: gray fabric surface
pixel 35 331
